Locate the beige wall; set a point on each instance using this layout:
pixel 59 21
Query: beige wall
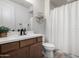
pixel 48 25
pixel 42 6
pixel 38 6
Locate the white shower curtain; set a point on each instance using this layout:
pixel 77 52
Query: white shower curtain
pixel 65 28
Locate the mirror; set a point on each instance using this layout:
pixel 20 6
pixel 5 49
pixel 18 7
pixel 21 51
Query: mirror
pixel 15 12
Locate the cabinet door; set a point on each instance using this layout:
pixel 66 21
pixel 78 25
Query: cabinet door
pixel 19 53
pixel 9 47
pixel 36 50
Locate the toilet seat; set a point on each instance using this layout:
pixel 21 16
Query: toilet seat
pixel 49 46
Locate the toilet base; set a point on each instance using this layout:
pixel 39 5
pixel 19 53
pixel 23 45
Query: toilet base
pixel 49 54
pixel 48 50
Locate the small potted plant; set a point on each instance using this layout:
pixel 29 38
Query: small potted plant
pixel 3 31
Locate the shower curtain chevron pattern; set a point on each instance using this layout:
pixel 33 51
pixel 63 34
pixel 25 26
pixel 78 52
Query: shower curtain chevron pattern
pixel 65 28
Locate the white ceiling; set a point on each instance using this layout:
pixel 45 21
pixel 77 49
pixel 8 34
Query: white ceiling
pixel 53 3
pixel 57 3
pixel 22 2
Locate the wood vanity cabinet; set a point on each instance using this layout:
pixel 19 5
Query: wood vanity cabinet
pixel 19 53
pixel 35 50
pixel 29 48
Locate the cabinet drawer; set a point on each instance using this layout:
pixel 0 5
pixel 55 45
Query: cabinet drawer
pixel 39 39
pixel 27 42
pixel 9 47
pixel 19 53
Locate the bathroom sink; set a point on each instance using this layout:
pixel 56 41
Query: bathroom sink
pixel 19 37
pixel 30 34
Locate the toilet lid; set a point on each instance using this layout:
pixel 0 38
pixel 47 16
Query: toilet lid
pixel 48 45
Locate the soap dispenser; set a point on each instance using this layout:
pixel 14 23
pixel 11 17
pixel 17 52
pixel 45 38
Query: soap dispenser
pixel 28 27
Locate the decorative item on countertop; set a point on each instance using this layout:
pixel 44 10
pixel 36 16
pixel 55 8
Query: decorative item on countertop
pixel 3 31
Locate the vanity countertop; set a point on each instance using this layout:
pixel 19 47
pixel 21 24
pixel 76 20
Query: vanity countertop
pixel 18 38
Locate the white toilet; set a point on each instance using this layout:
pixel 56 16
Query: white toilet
pixel 48 47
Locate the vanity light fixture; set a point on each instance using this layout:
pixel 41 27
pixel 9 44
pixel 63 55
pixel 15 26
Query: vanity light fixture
pixel 27 1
